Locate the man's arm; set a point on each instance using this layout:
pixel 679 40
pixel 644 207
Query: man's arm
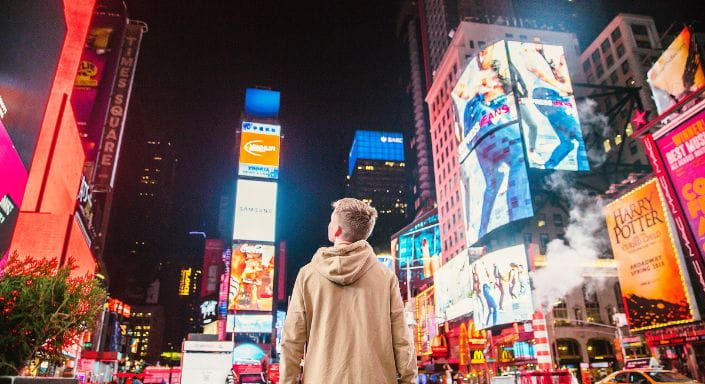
pixel 294 336
pixel 404 354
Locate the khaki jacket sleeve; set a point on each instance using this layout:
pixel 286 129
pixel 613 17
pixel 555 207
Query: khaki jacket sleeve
pixel 404 353
pixel 294 336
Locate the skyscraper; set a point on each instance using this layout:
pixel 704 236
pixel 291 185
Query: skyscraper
pixel 377 176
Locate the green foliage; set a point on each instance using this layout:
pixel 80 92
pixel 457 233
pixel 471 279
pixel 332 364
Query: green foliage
pixel 42 310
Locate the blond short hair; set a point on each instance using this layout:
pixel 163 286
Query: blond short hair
pixel 356 218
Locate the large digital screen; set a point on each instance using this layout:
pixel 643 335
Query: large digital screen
pixel 255 210
pixel 262 102
pixel 650 272
pixel 678 72
pixel 259 150
pixel 494 181
pixel 251 277
pixel 683 151
pixel 253 323
pixel 13 178
pixel 501 288
pixel 418 251
pixel 549 116
pixel 453 282
pixel 376 145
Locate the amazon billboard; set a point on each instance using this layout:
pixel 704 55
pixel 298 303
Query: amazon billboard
pixel 259 150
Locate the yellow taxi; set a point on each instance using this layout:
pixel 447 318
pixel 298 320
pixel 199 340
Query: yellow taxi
pixel 646 376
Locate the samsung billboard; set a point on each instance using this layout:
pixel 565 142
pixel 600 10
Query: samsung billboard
pixel 255 210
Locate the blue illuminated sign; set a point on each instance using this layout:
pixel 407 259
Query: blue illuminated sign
pixel 376 145
pixel 262 102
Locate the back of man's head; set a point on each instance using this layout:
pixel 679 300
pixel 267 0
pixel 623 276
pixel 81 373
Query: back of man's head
pixel 356 218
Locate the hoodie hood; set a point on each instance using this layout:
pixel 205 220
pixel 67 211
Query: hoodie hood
pixel 345 264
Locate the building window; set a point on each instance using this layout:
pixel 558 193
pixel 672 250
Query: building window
pixel 578 313
pixel 620 50
pixel 643 44
pixel 558 220
pixel 609 61
pixel 540 220
pixel 614 78
pixel 633 149
pixel 586 66
pixel 560 313
pixel 509 35
pixel 616 34
pixel 543 246
pixel 599 70
pixel 618 139
pixel 639 30
pixel 605 46
pixel 481 44
pixel 592 306
pixel 625 67
pixel 596 57
pixel 522 37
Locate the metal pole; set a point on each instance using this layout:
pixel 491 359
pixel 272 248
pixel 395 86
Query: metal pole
pixel 621 344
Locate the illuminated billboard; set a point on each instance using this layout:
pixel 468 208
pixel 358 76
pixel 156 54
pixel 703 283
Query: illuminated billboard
pixel 251 277
pixel 500 285
pixel 376 145
pixel 251 323
pixel 453 283
pixel 262 102
pixel 417 250
pixel 425 329
pixel 259 150
pixel 255 210
pixel 209 312
pixel 651 277
pixel 13 178
pixel 549 116
pixel 683 152
pixel 494 181
pixel 678 72
pixel 185 282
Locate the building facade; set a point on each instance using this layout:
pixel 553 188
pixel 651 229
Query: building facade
pixel 621 55
pixel 469 39
pixel 377 175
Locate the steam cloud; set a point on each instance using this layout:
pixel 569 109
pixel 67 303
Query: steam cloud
pixel 595 127
pixel 585 240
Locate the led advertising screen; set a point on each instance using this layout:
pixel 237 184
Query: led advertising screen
pixel 262 102
pixel 678 72
pixel 259 150
pixel 549 116
pixel 255 210
pixel 418 251
pixel 251 323
pixel 251 277
pixel 376 145
pixel 683 152
pixel 648 263
pixel 494 182
pixel 13 178
pixel 209 312
pixel 424 315
pixel 500 284
pixel 453 283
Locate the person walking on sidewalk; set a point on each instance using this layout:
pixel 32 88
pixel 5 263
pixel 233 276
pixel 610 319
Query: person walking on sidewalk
pixel 346 316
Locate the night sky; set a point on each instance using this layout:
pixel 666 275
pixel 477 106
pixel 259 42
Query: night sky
pixel 339 67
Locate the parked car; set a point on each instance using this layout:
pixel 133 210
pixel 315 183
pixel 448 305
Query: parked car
pixel 646 376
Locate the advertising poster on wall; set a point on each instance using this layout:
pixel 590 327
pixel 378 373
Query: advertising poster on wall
pixel 683 151
pixel 648 262
pixel 494 182
pixel 255 210
pixel 259 150
pixel 418 251
pixel 547 108
pixel 251 277
pixel 424 315
pixel 453 284
pixel 678 72
pixel 500 282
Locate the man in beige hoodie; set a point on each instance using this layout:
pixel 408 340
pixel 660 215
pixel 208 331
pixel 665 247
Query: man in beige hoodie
pixel 346 316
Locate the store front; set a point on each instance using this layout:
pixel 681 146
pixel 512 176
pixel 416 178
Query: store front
pixel 514 349
pixel 680 348
pixel 569 356
pixel 602 358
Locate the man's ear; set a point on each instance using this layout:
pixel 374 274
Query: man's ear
pixel 338 231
